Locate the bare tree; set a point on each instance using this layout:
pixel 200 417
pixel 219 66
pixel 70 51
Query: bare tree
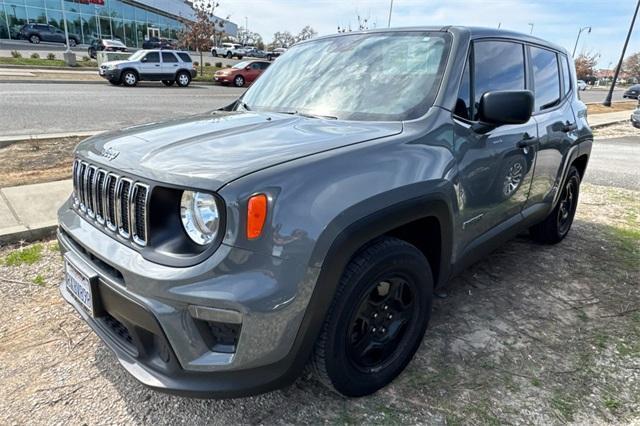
pixel 632 65
pixel 306 33
pixel 585 64
pixel 283 39
pixel 198 35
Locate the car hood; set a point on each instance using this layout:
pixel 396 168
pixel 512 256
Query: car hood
pixel 115 63
pixel 208 151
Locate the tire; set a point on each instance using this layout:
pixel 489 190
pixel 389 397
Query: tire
pixel 384 296
pixel 34 39
pixel 72 42
pixel 92 53
pixel 183 79
pixel 168 83
pixel 214 53
pixel 229 55
pixel 129 78
pixel 556 226
pixel 238 81
pixel 115 82
pixel 239 57
pixel 269 58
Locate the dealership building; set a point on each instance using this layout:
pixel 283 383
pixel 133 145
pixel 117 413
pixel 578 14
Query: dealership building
pixel 128 20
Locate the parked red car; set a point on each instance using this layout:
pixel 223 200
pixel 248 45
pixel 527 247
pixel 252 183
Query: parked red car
pixel 241 73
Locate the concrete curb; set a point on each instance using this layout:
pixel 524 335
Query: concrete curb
pixel 47 67
pixel 608 123
pixel 27 235
pixel 37 81
pixel 5 141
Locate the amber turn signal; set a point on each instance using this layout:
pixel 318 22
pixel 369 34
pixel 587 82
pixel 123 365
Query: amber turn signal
pixel 256 215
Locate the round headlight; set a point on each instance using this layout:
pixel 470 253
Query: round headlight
pixel 200 216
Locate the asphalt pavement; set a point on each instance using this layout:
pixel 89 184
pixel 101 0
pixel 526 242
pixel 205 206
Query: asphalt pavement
pixel 27 108
pixel 614 162
pixel 598 95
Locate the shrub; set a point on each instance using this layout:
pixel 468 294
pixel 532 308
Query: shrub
pixel 196 63
pixel 207 64
pixel 51 56
pixel 16 54
pixel 219 64
pixel 35 56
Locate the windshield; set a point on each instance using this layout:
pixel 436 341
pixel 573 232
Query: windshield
pixel 139 54
pixel 385 76
pixel 241 65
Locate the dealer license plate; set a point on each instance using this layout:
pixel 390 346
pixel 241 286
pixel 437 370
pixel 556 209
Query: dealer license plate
pixel 79 286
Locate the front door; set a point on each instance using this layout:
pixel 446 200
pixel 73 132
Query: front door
pixel 150 66
pixel 555 119
pixel 494 171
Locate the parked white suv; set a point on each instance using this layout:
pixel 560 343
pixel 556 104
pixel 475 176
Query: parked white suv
pixel 168 66
pixel 228 50
pixel 582 85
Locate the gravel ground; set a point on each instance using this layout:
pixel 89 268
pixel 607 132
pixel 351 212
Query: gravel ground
pixel 532 334
pixel 616 131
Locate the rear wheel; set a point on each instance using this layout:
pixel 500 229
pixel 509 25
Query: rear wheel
pixel 129 78
pixel 377 318
pixel 214 53
pixel 72 42
pixel 229 55
pixel 168 82
pixel 183 79
pixel 238 81
pixel 34 39
pixel 556 226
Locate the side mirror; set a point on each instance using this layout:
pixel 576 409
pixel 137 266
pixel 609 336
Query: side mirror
pixel 247 68
pixel 143 60
pixel 504 107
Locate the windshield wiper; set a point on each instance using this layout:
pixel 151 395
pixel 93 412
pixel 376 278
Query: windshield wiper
pixel 308 115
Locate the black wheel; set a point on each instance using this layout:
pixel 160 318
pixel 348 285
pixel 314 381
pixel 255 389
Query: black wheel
pixel 129 78
pixel 239 57
pixel 377 318
pixel 183 79
pixel 72 42
pixel 556 226
pixel 269 58
pixel 168 82
pixel 229 55
pixel 115 82
pixel 238 81
pixel 34 39
pixel 214 53
pixel 92 53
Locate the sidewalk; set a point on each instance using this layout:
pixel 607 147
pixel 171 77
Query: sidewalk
pixel 599 120
pixel 29 212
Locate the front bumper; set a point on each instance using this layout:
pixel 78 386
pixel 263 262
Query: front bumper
pixel 223 78
pixel 108 74
pixel 146 320
pixel 635 121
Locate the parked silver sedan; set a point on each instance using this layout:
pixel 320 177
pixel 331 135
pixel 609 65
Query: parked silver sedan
pixel 635 117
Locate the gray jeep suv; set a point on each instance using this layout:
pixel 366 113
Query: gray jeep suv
pixel 309 222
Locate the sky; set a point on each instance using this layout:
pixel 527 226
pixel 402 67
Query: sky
pixel 555 20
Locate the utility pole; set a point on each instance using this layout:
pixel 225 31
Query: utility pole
pixel 578 38
pixel 69 56
pixel 390 10
pixel 607 101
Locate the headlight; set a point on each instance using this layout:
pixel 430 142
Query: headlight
pixel 200 216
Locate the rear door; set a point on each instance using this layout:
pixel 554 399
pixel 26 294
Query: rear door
pixel 150 66
pixel 169 65
pixel 44 32
pixel 494 172
pixel 555 120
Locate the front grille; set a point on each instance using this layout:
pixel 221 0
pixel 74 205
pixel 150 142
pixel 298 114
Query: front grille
pixel 116 202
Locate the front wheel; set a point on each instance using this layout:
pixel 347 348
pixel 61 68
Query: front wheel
pixel 229 55
pixel 72 42
pixel 377 318
pixel 183 79
pixel 238 81
pixel 214 53
pixel 168 83
pixel 556 226
pixel 34 39
pixel 129 78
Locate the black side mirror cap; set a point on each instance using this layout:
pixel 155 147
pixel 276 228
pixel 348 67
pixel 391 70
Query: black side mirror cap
pixel 502 107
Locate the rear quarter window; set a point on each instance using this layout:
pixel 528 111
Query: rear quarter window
pixel 566 75
pixel 185 57
pixel 546 77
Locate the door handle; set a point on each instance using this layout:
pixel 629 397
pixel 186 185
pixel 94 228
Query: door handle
pixel 527 141
pixel 569 127
pixel 157 65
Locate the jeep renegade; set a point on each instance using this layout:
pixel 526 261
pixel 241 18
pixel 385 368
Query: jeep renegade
pixel 309 222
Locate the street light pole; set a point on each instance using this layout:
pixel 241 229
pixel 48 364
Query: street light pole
pixel 66 30
pixel 390 10
pixel 531 25
pixel 607 101
pixel 578 38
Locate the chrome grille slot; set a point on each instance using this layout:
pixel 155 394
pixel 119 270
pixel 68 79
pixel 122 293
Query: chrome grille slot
pixel 139 213
pixel 123 196
pixel 118 203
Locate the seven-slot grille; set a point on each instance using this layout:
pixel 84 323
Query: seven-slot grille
pixel 113 201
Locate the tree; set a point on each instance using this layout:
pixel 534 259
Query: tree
pixel 585 64
pixel 249 37
pixel 632 65
pixel 283 39
pixel 306 33
pixel 198 35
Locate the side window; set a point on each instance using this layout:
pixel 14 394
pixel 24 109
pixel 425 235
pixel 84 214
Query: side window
pixel 463 103
pixel 498 65
pixel 566 74
pixel 185 57
pixel 546 77
pixel 152 57
pixel 168 57
pixel 264 65
pixel 255 66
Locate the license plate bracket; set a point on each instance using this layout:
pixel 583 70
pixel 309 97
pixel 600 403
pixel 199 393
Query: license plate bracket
pixel 82 286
